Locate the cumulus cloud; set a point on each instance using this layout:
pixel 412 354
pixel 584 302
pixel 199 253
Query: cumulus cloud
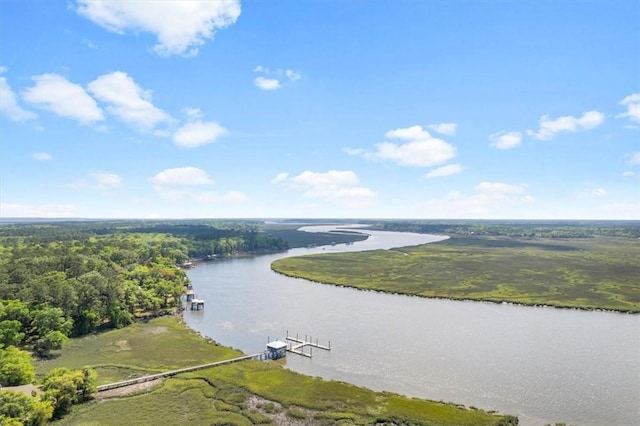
pixel 9 104
pixel 106 180
pixel 180 27
pixel 50 211
pixel 127 101
pixel 272 79
pixel 505 140
pixel 42 156
pixel 632 102
pixel 55 93
pixel 198 133
pixel 550 128
pixel 266 83
pixel 416 147
pixel 340 187
pixel 186 182
pixel 181 176
pixel 102 181
pixel 488 199
pixel 444 128
pixel 280 177
pixel 448 170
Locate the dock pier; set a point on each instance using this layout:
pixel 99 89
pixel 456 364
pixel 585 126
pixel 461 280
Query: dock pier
pixel 298 348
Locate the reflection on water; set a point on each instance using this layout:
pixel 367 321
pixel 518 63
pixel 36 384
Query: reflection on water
pixel 542 364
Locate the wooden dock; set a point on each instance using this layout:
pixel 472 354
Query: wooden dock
pixel 298 348
pixel 102 388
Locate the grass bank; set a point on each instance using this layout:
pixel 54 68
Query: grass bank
pixel 244 393
pixel 593 273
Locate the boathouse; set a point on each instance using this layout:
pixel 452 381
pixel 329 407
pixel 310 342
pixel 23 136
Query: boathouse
pixel 277 349
pixel 190 295
pixel 197 304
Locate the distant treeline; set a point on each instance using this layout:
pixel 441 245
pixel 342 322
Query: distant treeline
pixel 202 238
pixel 523 229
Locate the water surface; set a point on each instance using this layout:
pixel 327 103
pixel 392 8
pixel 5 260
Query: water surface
pixel 543 364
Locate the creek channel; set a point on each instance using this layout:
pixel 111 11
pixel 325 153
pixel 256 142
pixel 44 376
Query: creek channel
pixel 543 364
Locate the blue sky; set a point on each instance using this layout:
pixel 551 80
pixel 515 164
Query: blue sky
pixel 370 109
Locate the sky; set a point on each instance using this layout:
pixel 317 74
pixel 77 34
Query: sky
pixel 320 109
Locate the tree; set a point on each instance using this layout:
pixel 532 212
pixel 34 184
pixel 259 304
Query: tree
pixel 53 340
pixel 51 319
pixel 10 333
pixel 63 388
pixel 18 408
pixel 15 367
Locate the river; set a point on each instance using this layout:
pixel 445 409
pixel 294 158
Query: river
pixel 544 365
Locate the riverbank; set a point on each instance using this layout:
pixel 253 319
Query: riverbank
pixel 248 392
pixel 591 274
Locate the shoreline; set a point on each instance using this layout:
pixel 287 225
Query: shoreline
pixel 456 299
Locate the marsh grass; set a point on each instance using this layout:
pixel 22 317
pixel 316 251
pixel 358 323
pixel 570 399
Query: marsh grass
pixel 142 348
pixel 593 273
pixel 244 393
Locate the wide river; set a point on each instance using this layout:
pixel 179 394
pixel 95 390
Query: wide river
pixel 542 364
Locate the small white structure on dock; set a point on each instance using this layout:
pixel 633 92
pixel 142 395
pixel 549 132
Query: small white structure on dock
pixel 190 295
pixel 277 349
pixel 197 304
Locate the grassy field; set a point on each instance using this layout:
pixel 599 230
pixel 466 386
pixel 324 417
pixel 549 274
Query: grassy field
pixel 142 348
pixel 244 393
pixel 585 273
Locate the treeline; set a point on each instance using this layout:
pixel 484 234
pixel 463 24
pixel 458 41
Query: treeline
pixel 202 238
pixel 520 229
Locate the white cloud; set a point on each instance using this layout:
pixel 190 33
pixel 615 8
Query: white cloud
pixel 50 211
pixel 632 102
pixel 550 128
pixel 420 150
pixel 505 140
pixel 281 177
pixel 489 199
pixel 198 133
pixel 181 176
pixel 594 193
pixel 444 128
pixel 181 27
pixel 9 103
pixel 272 79
pixel 58 95
pixel 634 159
pixel 42 156
pixel 293 75
pixel 102 181
pixel 448 170
pixel 335 186
pixel 106 180
pixel 267 83
pixel 353 151
pixel 127 100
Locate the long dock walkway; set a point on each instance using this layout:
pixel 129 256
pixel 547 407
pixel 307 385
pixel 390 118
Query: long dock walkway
pixel 150 377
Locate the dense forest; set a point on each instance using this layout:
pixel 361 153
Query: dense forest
pixel 68 279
